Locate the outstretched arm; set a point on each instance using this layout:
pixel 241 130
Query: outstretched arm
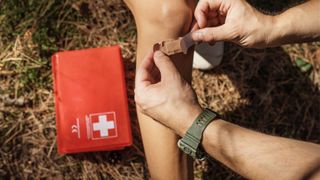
pixel 171 101
pixel 298 24
pixel 238 22
pixel 259 156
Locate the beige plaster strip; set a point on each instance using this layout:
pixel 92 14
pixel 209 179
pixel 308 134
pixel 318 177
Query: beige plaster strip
pixel 174 46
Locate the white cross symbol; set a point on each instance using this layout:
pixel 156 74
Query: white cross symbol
pixel 103 126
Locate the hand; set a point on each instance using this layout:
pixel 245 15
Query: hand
pixel 232 20
pixel 161 93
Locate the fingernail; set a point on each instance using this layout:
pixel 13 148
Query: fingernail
pixel 197 35
pixel 156 47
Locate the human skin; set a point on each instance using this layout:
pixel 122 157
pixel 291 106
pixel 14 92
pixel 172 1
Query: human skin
pixel 157 21
pixel 162 93
pixel 171 101
pixel 236 21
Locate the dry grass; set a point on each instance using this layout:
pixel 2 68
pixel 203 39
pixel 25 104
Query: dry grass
pixel 259 89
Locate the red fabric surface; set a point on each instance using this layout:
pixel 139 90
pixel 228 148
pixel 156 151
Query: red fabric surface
pixel 91 101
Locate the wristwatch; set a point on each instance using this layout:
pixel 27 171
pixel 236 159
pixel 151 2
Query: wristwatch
pixel 191 142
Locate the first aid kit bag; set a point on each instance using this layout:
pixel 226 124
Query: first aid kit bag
pixel 90 100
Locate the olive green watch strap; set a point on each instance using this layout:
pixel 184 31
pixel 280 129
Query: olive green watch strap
pixel 191 142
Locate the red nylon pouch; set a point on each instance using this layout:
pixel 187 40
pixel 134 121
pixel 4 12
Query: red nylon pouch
pixel 90 100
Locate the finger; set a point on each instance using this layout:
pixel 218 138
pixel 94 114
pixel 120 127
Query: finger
pixel 147 61
pixel 155 74
pixel 212 14
pixel 206 9
pixel 213 22
pixel 143 75
pixel 200 13
pixel 165 65
pixel 212 34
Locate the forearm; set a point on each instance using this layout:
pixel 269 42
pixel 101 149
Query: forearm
pixel 298 24
pixel 258 156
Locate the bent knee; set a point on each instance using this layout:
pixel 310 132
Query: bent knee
pixel 168 14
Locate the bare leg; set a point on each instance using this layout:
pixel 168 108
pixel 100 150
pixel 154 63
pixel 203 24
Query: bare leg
pixel 156 21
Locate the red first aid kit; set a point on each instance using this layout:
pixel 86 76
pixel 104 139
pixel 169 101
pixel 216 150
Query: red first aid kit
pixel 90 100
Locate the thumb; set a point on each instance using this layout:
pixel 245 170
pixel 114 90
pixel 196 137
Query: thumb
pixel 212 34
pixel 165 65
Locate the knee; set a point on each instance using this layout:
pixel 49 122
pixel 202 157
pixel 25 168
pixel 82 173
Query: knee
pixel 168 15
pixel 172 16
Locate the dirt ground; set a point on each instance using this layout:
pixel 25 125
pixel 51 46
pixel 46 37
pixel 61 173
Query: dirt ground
pixel 263 90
